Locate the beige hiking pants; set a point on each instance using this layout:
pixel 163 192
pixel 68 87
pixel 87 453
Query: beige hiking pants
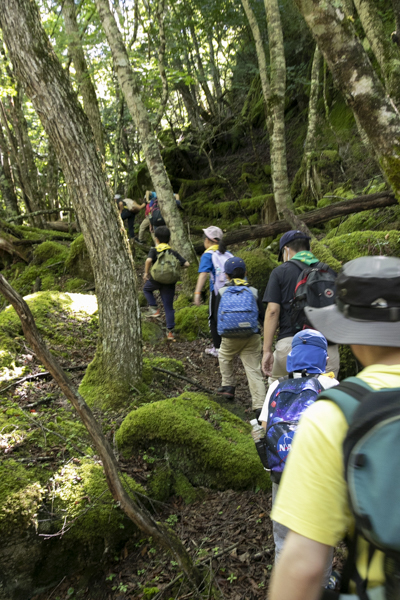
pixel 145 224
pixel 283 348
pixel 249 350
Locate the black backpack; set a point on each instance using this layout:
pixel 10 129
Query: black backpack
pixel 315 287
pixel 155 217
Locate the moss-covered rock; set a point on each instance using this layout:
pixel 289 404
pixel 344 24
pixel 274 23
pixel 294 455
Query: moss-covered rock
pixel 151 332
pixel 78 262
pixel 182 301
pixel 386 219
pixel 324 254
pixel 47 309
pixel 205 442
pixel 183 488
pixel 192 322
pixel 49 253
pixel 169 364
pixel 364 243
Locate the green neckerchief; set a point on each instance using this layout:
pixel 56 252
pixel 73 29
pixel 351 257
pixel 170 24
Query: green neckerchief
pixel 162 247
pixel 239 281
pixel 306 257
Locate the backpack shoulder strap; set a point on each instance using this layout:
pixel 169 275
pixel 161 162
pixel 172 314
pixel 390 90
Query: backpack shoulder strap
pixel 299 264
pixel 347 395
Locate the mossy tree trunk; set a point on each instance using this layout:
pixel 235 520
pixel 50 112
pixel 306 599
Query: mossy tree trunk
pixel 130 505
pixel 386 53
pixel 274 97
pixel 6 179
pixel 130 88
pixel 86 87
pixel 118 361
pixel 357 80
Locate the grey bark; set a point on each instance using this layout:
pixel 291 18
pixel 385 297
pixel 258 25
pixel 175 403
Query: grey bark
pixel 85 83
pixel 357 80
pixel 130 88
pixel 118 358
pixel 386 53
pixel 160 10
pixel 6 179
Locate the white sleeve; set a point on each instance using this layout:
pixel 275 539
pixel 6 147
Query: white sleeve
pixel 265 409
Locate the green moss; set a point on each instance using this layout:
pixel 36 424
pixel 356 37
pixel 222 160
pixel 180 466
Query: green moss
pixel 142 300
pixel 170 364
pixel 182 301
pixel 362 243
pixel 259 264
pixel 77 262
pixel 205 442
pixel 47 309
pixel 159 485
pixel 20 497
pixel 183 488
pixel 343 192
pixel 348 363
pixel 82 486
pixel 75 284
pixel 49 253
pixel 192 322
pixel 376 219
pixel 34 233
pixel 151 332
pixel 324 254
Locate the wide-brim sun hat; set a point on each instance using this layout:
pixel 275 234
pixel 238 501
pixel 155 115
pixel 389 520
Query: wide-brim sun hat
pixel 367 308
pixel 309 352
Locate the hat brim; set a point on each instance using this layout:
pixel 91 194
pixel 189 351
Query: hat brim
pixel 341 330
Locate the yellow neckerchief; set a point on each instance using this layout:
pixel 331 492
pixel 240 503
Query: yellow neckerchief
pixel 212 248
pixel 331 374
pixel 162 247
pixel 239 282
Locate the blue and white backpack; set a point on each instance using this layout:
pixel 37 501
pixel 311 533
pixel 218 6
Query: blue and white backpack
pixel 287 404
pixel 237 312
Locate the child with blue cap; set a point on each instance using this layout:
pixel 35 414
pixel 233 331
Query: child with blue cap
pixel 286 401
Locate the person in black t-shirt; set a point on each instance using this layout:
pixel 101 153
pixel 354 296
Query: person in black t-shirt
pixel 167 290
pixel 278 294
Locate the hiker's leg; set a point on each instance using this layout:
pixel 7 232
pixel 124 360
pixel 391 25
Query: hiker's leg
pixel 212 319
pixel 145 224
pixel 149 287
pixel 251 359
pixel 282 349
pixel 167 292
pixel 333 363
pixel 280 531
pixel 227 352
pixel 130 218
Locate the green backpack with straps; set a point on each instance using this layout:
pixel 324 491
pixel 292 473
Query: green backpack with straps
pixel 166 269
pixel 371 452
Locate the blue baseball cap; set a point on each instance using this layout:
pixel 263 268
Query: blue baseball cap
pixel 234 263
pixel 309 351
pixel 289 236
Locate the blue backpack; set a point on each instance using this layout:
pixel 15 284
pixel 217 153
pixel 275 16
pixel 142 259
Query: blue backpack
pixel 237 312
pixel 287 404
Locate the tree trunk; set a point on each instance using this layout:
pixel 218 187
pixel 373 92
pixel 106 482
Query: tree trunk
pixel 132 507
pixel 160 10
pixel 52 181
pixel 118 360
pixel 86 87
pixel 6 179
pixel 274 97
pixel 158 174
pixel 357 80
pixel 314 217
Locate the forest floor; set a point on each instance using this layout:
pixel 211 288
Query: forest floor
pixel 229 533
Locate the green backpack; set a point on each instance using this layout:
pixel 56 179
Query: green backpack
pixel 371 451
pixel 166 269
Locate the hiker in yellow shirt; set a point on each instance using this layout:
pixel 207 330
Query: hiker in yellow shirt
pixel 312 500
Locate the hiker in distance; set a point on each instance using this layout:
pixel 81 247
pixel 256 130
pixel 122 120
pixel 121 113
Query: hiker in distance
pixel 128 209
pixel 301 272
pixel 286 401
pixel 342 472
pixel 211 266
pixel 161 272
pixel 240 314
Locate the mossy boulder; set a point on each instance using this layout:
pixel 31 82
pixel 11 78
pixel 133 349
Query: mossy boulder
pixel 208 444
pixel 74 513
pixel 323 253
pixel 151 332
pixel 364 243
pixel 377 220
pixel 259 264
pixel 78 262
pixel 192 322
pixel 169 364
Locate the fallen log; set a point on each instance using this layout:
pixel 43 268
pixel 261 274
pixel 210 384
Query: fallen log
pixel 314 217
pixel 39 212
pixel 61 226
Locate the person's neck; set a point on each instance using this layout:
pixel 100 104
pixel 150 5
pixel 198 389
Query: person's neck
pixel 376 355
